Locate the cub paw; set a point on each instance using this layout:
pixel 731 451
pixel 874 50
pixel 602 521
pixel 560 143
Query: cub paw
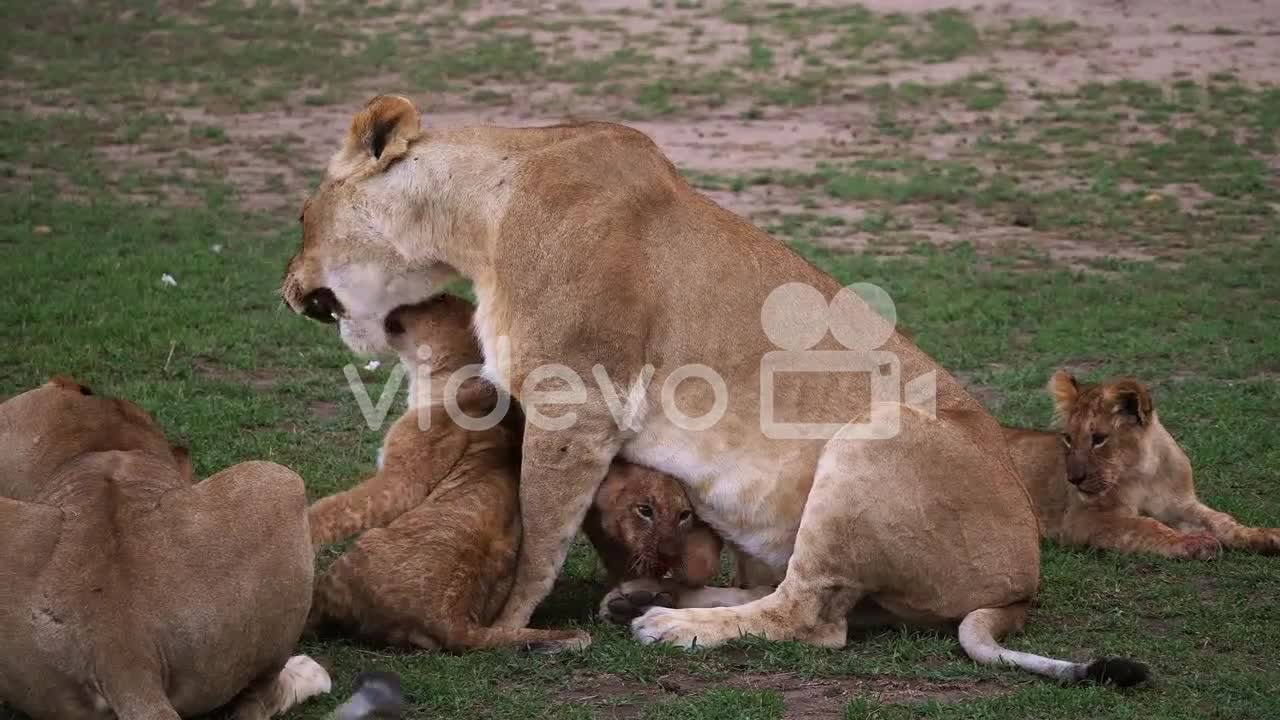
pixel 632 599
pixel 1200 546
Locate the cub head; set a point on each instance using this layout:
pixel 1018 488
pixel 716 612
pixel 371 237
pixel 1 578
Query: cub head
pixel 647 514
pixel 358 227
pixel 43 428
pixel 1104 428
pixel 435 331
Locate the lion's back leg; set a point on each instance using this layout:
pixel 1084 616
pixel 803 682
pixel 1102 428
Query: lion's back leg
pixel 927 523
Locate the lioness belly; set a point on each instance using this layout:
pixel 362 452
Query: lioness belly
pixel 751 492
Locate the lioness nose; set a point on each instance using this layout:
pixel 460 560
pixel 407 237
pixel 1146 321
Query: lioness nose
pixel 321 304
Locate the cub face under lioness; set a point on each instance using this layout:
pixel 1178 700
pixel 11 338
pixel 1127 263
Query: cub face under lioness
pixel 642 526
pixel 444 509
pixel 1114 478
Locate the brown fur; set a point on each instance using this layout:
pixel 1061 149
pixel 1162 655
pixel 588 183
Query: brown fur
pixel 126 589
pixel 1114 478
pixel 643 526
pixel 587 248
pixel 441 518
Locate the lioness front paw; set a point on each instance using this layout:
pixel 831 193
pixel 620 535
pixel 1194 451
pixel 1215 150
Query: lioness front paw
pixel 632 599
pixel 689 629
pixel 1200 546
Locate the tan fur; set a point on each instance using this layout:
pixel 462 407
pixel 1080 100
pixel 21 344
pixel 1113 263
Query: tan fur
pixel 642 525
pixel 441 518
pixel 587 248
pixel 127 591
pixel 1132 493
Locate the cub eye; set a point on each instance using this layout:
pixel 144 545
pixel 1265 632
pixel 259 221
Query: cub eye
pixel 1066 439
pixel 1099 439
pixel 686 516
pixel 645 511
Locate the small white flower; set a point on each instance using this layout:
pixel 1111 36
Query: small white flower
pixel 216 248
pixel 167 279
pixel 372 365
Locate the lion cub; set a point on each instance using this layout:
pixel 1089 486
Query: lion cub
pixel 642 526
pixel 445 510
pixel 1115 478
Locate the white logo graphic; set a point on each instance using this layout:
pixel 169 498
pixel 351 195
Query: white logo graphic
pixel 861 317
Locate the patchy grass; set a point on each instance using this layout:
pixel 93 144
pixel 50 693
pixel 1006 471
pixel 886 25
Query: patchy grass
pixel 1166 193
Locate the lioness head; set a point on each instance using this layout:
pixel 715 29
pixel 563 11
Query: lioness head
pixel 353 268
pixel 1104 427
pixel 43 428
pixel 646 514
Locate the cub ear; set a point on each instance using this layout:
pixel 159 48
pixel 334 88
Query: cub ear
pixel 379 134
pixel 1064 390
pixel 1132 398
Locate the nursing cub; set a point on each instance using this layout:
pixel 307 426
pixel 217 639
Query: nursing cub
pixel 442 514
pixel 435 567
pixel 1114 478
pixel 643 527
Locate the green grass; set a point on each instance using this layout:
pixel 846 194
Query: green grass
pixel 85 237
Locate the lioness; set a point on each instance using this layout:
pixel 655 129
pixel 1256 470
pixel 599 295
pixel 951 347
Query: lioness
pixel 444 509
pixel 655 313
pixel 128 592
pixel 1114 478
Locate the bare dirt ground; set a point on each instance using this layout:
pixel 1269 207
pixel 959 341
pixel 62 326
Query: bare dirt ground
pixel 273 156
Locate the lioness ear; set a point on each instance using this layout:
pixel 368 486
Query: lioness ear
pixel 1064 390
pixel 1130 397
pixel 379 135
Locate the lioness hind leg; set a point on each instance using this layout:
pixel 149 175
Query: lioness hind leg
pixel 300 679
pixel 822 584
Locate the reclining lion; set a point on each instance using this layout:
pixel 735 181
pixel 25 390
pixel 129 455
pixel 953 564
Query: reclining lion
pixel 1114 478
pixel 125 590
pixel 592 258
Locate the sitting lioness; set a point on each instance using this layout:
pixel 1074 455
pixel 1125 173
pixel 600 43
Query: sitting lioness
pixel 1114 478
pixel 441 518
pixel 642 526
pixel 663 327
pixel 128 592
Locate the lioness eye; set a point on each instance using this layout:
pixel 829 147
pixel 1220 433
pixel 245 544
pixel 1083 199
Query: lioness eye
pixel 1066 439
pixel 1099 439
pixel 645 511
pixel 686 516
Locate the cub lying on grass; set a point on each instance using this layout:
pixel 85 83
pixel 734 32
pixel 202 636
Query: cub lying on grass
pixel 444 509
pixel 1114 478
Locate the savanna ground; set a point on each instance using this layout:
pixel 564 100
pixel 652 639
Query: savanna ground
pixel 1088 184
